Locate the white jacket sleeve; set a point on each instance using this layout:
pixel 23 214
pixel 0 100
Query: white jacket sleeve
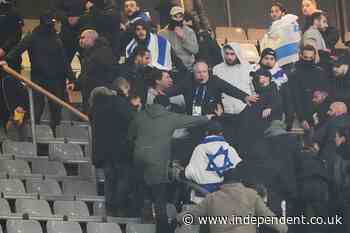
pixel 234 157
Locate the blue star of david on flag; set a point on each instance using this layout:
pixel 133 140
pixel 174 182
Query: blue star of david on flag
pixel 212 166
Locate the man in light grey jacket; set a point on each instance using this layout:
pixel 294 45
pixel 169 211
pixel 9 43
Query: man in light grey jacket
pixel 313 35
pixel 183 40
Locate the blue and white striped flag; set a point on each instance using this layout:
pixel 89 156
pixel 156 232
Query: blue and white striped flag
pixel 160 51
pixel 284 37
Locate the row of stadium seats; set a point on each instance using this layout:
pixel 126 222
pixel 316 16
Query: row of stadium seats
pixel 69 153
pixel 32 226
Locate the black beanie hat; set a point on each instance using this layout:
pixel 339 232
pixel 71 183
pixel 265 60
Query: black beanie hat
pixel 268 51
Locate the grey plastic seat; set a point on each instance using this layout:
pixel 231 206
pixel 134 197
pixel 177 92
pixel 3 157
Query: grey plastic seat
pixel 44 187
pixel 79 187
pixel 63 227
pixel 43 132
pixel 99 208
pixel 65 152
pixel 14 186
pixel 72 132
pixel 23 226
pixel 13 167
pixel 140 228
pixel 71 208
pixel 188 229
pixel 19 148
pixel 49 168
pixel 33 207
pixel 93 227
pixel 4 207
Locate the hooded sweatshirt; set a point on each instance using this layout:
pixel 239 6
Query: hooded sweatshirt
pixel 152 131
pixel 237 75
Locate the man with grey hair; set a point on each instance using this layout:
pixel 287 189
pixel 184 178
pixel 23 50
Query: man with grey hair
pixel 97 61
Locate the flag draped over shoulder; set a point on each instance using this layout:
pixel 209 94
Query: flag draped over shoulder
pixel 284 37
pixel 160 51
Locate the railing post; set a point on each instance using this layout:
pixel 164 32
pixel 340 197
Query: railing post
pixel 32 115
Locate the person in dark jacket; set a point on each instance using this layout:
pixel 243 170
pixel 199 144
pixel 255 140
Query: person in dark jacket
pixel 49 65
pixel 324 136
pixel 97 64
pixel 110 116
pixel 152 152
pixel 270 101
pixel 322 101
pixel 69 12
pixel 11 25
pixel 307 78
pixel 204 91
pixel 341 80
pixel 105 20
pixel 136 70
pixel 13 98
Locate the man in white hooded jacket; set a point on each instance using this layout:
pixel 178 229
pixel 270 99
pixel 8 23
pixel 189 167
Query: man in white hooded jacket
pixel 236 71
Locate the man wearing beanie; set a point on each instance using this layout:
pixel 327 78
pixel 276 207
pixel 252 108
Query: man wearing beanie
pixel 269 62
pixel 159 47
pixel 183 40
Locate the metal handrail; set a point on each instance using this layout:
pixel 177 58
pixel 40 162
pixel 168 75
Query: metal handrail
pixel 43 91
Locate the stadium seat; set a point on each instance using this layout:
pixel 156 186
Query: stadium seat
pixel 250 52
pixel 256 34
pixel 72 132
pixel 19 148
pixel 14 186
pixel 23 226
pixel 99 208
pixel 14 167
pixel 140 228
pixel 231 34
pixel 63 227
pixel 4 207
pixel 65 152
pixel 49 168
pixel 43 133
pixel 81 187
pixel 93 227
pixel 44 187
pixel 188 229
pixel 71 208
pixel 33 207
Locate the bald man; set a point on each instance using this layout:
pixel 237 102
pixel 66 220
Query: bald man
pixel 97 62
pixel 324 136
pixel 337 109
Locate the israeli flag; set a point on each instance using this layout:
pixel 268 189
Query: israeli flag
pixel 284 37
pixel 160 51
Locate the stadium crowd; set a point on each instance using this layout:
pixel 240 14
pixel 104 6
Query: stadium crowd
pixel 155 96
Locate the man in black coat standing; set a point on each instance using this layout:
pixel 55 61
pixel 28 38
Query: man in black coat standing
pixel 49 65
pixel 11 25
pixel 307 78
pixel 97 62
pixel 111 114
pixel 69 12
